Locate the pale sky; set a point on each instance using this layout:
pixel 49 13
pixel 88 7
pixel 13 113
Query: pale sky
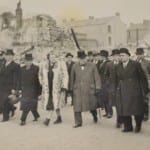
pixel 130 10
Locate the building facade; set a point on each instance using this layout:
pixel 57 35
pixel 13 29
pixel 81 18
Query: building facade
pixel 138 33
pixel 109 32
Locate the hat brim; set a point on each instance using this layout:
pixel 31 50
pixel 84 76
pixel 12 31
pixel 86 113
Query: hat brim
pixel 82 57
pixel 9 54
pixel 28 59
pixel 69 56
pixel 125 53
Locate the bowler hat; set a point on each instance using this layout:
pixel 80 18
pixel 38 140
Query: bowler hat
pixel 90 53
pixel 104 53
pixel 139 51
pixel 125 50
pixel 81 54
pixel 9 52
pixel 69 54
pixel 115 52
pixel 28 57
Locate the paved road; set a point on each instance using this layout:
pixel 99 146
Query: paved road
pixel 101 136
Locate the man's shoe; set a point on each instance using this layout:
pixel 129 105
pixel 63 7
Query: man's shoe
pixel 118 125
pixel 109 116
pixel 105 115
pixel 58 120
pixel 137 129
pixel 127 130
pixel 46 122
pixel 5 120
pixel 36 119
pixel 13 112
pixel 22 123
pixel 77 126
pixel 95 119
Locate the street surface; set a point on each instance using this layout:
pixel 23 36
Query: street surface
pixel 100 136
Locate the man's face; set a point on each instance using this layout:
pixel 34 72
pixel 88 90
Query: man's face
pixel 28 62
pixel 53 59
pixel 69 59
pixel 82 61
pixel 101 58
pixel 9 57
pixel 90 57
pixel 116 57
pixel 140 56
pixel 124 57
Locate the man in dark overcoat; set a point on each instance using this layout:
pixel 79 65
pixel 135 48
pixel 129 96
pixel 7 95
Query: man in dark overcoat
pixel 104 97
pixel 2 64
pixel 31 89
pixel 85 84
pixel 69 63
pixel 90 56
pixel 146 67
pixel 111 69
pixel 132 87
pixel 10 83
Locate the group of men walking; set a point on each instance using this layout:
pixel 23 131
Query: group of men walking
pixel 94 81
pixel 124 84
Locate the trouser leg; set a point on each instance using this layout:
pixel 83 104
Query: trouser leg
pixel 78 118
pixel 6 110
pixel 24 115
pixel 146 109
pixel 138 120
pixel 108 108
pixel 119 119
pixel 35 114
pixel 58 112
pixel 94 114
pixel 127 121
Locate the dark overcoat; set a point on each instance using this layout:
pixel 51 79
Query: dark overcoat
pixel 84 84
pixel 146 67
pixel 131 88
pixel 111 77
pixel 104 97
pixel 2 64
pixel 69 68
pixel 9 79
pixel 31 88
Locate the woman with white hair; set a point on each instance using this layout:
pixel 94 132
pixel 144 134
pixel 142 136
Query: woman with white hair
pixel 54 79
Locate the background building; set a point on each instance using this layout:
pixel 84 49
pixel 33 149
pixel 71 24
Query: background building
pixel 139 32
pixel 109 32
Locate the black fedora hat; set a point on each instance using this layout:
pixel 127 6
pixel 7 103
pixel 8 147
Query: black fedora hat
pixel 139 51
pixel 9 52
pixel 115 52
pixel 69 54
pixel 125 51
pixel 28 57
pixel 104 53
pixel 90 53
pixel 81 54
